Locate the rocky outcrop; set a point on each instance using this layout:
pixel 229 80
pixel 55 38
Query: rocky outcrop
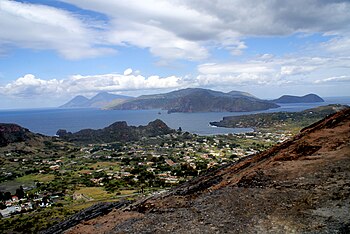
pixel 11 133
pixel 299 186
pixel 118 131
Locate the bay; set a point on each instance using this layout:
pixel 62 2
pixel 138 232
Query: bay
pixel 47 121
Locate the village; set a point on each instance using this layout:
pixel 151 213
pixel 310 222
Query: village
pixel 122 169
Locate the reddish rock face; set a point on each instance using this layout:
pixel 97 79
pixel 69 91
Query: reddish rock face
pixel 10 128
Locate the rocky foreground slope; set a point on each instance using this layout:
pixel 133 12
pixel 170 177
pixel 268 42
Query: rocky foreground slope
pixel 300 186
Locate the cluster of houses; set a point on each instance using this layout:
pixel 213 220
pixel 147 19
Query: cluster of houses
pixel 275 137
pixel 16 205
pixel 214 152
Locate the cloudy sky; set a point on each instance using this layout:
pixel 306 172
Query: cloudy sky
pixel 51 51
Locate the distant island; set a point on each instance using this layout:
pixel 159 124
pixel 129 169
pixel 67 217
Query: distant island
pixel 98 101
pixel 118 131
pixel 197 100
pixel 309 98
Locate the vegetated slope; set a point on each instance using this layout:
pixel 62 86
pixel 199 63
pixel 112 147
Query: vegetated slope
pixel 19 148
pixel 309 98
pixel 197 100
pixel 118 131
pixel 299 186
pixel 98 101
pixel 279 120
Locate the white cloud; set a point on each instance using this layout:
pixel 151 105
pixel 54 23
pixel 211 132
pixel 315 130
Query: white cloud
pixel 296 70
pixel 231 74
pixel 219 81
pixel 160 42
pixel 266 57
pixel 43 27
pixel 269 70
pixel 333 79
pixel 339 45
pixel 30 86
pixel 128 72
pixel 117 82
pixel 253 67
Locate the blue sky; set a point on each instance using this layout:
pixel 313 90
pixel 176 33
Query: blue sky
pixel 51 51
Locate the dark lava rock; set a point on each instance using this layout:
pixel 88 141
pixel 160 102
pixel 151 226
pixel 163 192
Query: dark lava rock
pixel 11 133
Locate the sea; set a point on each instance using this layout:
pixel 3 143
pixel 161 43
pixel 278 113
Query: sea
pixel 48 120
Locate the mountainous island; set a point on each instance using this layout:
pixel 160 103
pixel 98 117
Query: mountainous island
pixel 309 98
pixel 118 131
pixel 98 101
pixel 279 120
pixel 197 100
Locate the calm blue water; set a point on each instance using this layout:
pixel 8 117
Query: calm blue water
pixel 48 121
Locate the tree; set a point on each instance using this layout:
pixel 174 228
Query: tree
pixel 201 165
pixel 7 196
pixel 20 192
